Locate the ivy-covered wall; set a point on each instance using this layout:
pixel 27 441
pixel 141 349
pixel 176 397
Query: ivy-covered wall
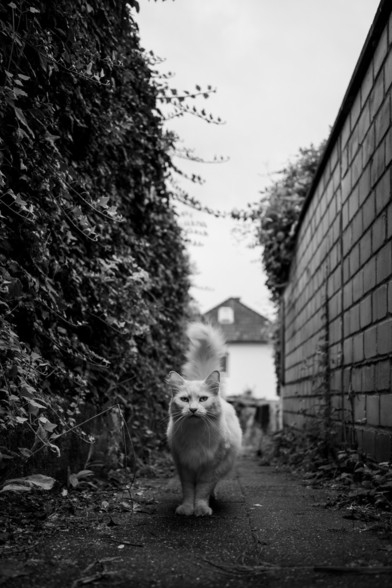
pixel 93 270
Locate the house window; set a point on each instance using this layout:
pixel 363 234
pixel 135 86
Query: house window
pixel 226 315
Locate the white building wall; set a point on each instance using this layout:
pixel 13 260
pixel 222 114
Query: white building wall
pixel 250 366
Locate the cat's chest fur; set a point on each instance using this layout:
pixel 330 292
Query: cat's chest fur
pixel 198 444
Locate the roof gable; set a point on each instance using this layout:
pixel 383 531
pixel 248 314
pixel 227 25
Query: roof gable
pixel 248 326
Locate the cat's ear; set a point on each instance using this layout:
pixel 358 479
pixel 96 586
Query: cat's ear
pixel 212 382
pixel 175 381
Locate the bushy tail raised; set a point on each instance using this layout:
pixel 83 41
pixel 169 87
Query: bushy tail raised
pixel 206 348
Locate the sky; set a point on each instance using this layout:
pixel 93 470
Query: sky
pixel 281 69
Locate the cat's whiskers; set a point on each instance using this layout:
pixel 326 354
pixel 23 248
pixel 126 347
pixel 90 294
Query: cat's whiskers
pixel 213 419
pixel 177 424
pixel 175 413
pixel 164 420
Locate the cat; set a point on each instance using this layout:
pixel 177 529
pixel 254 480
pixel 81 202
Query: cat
pixel 204 433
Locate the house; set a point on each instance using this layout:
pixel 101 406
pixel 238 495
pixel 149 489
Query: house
pixel 248 367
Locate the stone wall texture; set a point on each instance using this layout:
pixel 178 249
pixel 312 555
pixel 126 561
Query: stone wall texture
pixel 337 307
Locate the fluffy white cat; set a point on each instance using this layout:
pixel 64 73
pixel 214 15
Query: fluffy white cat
pixel 204 433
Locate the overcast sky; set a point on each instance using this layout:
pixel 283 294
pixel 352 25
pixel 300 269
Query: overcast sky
pixel 281 69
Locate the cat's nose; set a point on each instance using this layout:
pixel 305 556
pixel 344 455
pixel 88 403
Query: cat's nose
pixel 193 410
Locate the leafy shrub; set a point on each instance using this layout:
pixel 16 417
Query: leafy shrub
pixel 93 270
pixel 278 213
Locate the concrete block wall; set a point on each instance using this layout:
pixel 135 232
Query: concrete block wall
pixel 337 306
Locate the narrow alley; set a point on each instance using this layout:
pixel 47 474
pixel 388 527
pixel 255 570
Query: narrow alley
pixel 268 528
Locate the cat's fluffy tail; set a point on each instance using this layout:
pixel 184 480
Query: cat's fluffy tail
pixel 206 348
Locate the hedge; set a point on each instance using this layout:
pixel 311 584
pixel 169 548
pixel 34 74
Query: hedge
pixel 94 275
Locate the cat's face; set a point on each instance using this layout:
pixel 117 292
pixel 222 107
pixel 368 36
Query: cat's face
pixel 194 399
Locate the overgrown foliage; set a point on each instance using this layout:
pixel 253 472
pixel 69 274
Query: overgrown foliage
pixel 273 221
pixel 358 481
pixel 93 270
pixel 277 216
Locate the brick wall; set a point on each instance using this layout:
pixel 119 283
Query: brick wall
pixel 337 311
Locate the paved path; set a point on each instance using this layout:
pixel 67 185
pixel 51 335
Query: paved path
pixel 267 530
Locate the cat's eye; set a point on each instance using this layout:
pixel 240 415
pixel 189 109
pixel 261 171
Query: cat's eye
pixel 184 398
pixel 203 398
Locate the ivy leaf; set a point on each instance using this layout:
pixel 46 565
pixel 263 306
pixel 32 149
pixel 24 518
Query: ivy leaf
pixel 51 138
pixel 35 406
pixel 73 480
pixel 112 210
pixel 84 474
pixel 15 488
pixel 48 426
pixel 28 482
pixel 103 201
pixel 22 119
pixel 41 481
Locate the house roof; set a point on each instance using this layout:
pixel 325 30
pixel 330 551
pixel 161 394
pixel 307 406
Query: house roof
pixel 248 327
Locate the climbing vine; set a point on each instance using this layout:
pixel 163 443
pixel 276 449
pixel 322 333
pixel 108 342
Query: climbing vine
pixel 93 268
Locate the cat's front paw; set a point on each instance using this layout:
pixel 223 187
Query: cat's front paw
pixel 185 509
pixel 202 510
